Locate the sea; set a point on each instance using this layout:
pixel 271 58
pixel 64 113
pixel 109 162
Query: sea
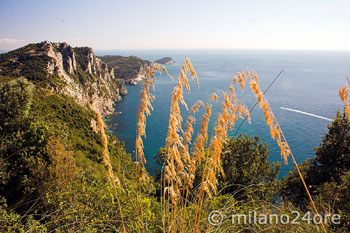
pixel 304 98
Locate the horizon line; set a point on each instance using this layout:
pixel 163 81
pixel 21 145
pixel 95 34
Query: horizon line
pixel 276 49
pixel 211 48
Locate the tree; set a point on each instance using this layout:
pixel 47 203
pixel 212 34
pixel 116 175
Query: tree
pixel 247 171
pixel 334 197
pixel 22 141
pixel 332 161
pixel 333 154
pixel 15 100
pixel 291 186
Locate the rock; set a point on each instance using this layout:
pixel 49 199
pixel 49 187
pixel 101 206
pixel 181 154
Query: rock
pixel 131 82
pixel 93 125
pixel 122 90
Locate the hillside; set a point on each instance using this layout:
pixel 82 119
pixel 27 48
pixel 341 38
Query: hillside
pixel 75 72
pixel 53 159
pixel 130 67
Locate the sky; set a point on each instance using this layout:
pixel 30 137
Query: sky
pixel 178 24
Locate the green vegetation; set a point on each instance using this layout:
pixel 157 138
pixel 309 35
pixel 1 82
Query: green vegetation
pixel 50 165
pixel 125 67
pixel 24 62
pixel 245 162
pixel 56 170
pixel 328 174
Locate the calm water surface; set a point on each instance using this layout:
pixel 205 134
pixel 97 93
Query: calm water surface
pixel 310 83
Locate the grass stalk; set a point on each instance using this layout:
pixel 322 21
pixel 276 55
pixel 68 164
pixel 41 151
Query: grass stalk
pixel 114 180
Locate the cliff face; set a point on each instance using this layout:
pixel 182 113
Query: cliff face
pixel 76 72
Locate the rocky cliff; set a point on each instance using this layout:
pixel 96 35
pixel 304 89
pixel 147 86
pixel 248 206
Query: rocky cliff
pixel 76 72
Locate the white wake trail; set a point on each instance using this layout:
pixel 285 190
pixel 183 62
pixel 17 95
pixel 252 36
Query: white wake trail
pixel 306 113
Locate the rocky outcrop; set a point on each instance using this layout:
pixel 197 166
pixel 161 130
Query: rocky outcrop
pixel 68 55
pixel 142 72
pixel 55 65
pixel 76 72
pixel 131 82
pixel 122 90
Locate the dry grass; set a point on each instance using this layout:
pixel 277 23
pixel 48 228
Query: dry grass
pixel 177 150
pixel 344 96
pixel 270 119
pixel 275 129
pixel 144 110
pixel 182 159
pixel 105 156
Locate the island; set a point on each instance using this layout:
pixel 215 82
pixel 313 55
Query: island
pixel 165 61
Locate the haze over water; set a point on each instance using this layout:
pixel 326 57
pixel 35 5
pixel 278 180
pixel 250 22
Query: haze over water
pixel 310 84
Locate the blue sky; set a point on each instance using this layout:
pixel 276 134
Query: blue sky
pixel 156 24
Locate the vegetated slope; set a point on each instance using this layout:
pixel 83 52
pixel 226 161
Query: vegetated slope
pixel 51 161
pixel 130 67
pixel 52 172
pixel 76 72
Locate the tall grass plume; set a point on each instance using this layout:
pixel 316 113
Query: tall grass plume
pixel 105 157
pixel 344 96
pixel 183 159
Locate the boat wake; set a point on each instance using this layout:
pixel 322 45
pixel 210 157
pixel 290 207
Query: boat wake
pixel 306 113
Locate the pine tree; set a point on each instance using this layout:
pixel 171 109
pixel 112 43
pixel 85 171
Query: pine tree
pixel 248 173
pixel 332 161
pixel 333 155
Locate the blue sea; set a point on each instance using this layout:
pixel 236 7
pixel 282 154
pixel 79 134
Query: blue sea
pixel 310 83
